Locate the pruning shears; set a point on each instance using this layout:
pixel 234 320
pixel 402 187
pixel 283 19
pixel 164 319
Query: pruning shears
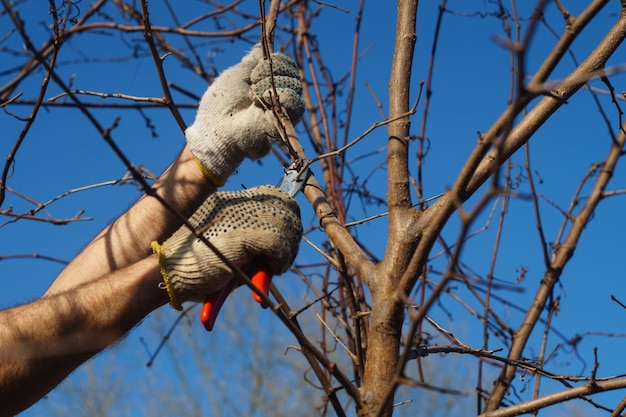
pixel 291 183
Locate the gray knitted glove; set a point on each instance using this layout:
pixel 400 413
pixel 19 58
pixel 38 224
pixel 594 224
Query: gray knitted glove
pixel 231 123
pixel 243 225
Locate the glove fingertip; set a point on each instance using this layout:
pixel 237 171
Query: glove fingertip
pixel 291 102
pixel 281 66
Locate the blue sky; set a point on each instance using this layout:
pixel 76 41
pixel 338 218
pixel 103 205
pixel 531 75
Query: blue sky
pixel 470 89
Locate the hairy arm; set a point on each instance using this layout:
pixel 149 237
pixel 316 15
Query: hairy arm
pixel 42 342
pixel 128 238
pixel 114 282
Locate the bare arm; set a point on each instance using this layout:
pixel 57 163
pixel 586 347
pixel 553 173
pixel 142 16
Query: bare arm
pixel 42 342
pixel 127 240
pixel 114 282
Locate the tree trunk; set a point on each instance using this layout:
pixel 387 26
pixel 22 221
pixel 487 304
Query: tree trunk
pixel 382 354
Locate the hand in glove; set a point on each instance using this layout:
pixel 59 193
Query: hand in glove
pixel 231 123
pixel 243 225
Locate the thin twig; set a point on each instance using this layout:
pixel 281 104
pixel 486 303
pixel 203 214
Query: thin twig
pixel 337 339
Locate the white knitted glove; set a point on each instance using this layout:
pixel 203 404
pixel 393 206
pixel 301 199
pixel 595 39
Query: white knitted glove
pixel 231 123
pixel 243 225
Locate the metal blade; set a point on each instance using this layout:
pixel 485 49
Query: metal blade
pixel 290 183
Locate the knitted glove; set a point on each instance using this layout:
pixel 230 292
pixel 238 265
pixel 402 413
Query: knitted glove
pixel 231 123
pixel 242 225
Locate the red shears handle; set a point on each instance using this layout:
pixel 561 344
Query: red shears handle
pixel 213 303
pixel 262 279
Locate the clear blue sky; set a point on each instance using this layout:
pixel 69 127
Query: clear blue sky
pixel 471 86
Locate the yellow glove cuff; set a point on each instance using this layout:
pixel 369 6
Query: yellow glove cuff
pixel 217 181
pixel 160 252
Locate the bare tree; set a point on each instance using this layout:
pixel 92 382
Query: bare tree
pixel 369 318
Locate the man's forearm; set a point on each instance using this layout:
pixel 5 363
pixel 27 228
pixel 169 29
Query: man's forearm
pixel 127 240
pixel 42 342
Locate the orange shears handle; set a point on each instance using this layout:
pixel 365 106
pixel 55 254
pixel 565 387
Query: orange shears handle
pixel 262 279
pixel 213 303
